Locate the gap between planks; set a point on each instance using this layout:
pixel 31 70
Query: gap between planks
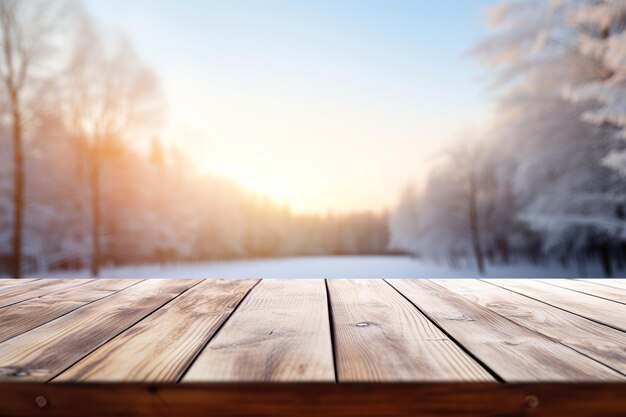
pixel 380 336
pixel 279 333
pixel 42 353
pixel 598 309
pixel 161 347
pixel 515 353
pixel 588 288
pixel 31 313
pixel 398 328
pixel 602 343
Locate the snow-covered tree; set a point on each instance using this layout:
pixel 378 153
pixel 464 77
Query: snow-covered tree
pixel 601 27
pixel 28 35
pixel 545 183
pixel 446 218
pixel 566 193
pixel 109 95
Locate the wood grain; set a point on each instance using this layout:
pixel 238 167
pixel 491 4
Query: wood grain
pixel 598 341
pixel 157 330
pixel 612 282
pixel 598 309
pixel 514 352
pixel 314 399
pixel 380 336
pixel 44 352
pixel 26 315
pixel 161 347
pixel 589 288
pixel 87 292
pixel 280 332
pixel 10 282
pixel 15 294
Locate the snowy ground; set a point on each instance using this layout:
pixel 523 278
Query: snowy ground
pixel 331 267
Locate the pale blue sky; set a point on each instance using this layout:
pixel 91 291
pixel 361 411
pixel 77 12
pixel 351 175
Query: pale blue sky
pixel 319 104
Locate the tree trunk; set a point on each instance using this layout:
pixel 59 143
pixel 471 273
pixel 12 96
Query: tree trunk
pixel 95 212
pixel 582 266
pixel 605 256
pixel 474 228
pixel 18 189
pixel 503 248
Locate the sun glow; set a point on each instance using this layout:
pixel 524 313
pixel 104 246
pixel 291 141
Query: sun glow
pixel 319 127
pixel 277 186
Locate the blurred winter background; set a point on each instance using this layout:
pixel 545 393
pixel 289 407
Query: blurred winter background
pixel 318 139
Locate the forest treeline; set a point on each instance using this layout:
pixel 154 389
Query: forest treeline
pixel 83 181
pixel 154 208
pixel 546 179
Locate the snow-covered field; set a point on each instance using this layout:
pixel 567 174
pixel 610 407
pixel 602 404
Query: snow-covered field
pixel 331 267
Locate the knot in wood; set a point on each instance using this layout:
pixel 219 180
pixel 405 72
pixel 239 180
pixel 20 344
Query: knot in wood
pixel 461 317
pixel 20 373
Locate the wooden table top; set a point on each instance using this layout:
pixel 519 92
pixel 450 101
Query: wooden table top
pixel 163 331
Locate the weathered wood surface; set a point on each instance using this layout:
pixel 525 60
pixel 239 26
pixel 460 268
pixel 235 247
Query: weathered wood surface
pixel 26 315
pixel 380 336
pixel 280 332
pixel 12 294
pixel 183 338
pixel 516 353
pixel 9 282
pixel 312 330
pixel 613 283
pixel 42 353
pixel 602 291
pixel 161 347
pixel 611 313
pixel 602 343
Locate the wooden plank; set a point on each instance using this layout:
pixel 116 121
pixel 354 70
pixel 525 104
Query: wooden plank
pixel 380 336
pixel 11 282
pixel 314 399
pixel 162 346
pixel 16 294
pixel 589 288
pixel 598 309
pixel 280 332
pixel 26 315
pixel 607 282
pixel 514 352
pixel 598 341
pixel 87 292
pixel 44 352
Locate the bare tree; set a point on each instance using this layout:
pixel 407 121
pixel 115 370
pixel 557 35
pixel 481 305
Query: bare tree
pixel 26 34
pixel 466 158
pixel 110 95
